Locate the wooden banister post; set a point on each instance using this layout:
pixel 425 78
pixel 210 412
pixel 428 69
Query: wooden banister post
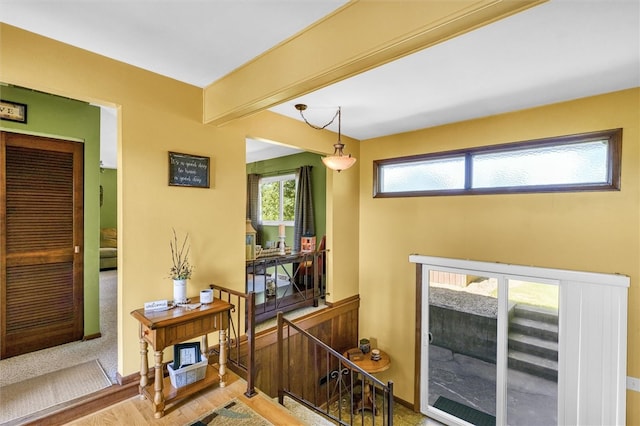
pixel 280 359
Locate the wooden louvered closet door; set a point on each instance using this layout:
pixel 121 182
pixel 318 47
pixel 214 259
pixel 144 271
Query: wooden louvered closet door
pixel 41 243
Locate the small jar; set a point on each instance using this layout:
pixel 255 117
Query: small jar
pixel 271 288
pixel 365 347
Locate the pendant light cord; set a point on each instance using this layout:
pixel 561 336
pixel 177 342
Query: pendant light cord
pixel 320 127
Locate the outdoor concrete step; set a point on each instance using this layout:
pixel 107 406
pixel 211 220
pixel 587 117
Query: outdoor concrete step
pixel 533 365
pixel 534 345
pixel 536 313
pixel 535 328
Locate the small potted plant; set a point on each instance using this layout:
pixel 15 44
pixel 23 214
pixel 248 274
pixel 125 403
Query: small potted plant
pixel 181 269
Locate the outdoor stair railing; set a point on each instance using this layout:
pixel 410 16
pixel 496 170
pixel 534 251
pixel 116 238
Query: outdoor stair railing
pixel 240 358
pixel 306 364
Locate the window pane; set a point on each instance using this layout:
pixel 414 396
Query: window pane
pixel 277 199
pixel 532 376
pixel 270 198
pixel 463 348
pixel 289 200
pixel 428 175
pixel 554 165
pixel 580 162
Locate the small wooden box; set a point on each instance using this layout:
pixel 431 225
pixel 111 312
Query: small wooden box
pixel 307 244
pixel 355 355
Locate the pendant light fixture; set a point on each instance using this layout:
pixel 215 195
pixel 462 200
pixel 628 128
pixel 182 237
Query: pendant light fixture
pixel 339 160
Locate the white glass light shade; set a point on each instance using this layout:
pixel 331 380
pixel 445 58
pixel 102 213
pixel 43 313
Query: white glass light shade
pixel 338 162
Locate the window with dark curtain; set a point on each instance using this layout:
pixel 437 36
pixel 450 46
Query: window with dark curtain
pixel 304 215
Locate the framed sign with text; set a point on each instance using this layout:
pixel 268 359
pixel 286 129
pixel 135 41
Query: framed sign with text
pixel 13 111
pixel 185 354
pixel 188 170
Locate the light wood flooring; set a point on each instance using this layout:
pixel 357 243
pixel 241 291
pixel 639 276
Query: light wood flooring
pixel 136 411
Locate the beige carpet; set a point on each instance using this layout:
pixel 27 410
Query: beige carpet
pixel 50 390
pixel 104 349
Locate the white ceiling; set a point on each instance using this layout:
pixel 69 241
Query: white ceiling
pixel 557 51
pixel 560 50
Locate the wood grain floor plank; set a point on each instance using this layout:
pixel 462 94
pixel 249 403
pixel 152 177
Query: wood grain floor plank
pixel 136 411
pixel 271 410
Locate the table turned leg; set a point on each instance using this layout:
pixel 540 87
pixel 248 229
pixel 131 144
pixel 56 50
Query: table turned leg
pixel 222 362
pixel 158 397
pixel 367 402
pixel 144 365
pixel 204 350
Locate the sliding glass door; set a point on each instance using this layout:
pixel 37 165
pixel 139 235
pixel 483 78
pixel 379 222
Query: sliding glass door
pixel 560 344
pixel 492 348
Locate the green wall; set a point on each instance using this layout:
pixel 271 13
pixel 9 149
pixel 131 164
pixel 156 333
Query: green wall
pixel 318 176
pixel 109 208
pixel 54 116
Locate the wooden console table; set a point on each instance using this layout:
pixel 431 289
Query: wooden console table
pixel 166 328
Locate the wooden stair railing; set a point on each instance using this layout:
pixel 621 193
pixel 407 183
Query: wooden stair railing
pixel 301 354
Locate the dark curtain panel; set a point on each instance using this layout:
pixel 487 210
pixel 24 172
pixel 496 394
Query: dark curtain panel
pixel 253 190
pixel 304 216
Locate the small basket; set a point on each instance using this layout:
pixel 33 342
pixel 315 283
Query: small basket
pixel 186 375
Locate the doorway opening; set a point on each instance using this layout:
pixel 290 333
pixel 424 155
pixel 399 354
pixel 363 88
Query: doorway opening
pixel 90 343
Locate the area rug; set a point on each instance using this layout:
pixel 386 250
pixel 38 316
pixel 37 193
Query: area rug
pixel 464 412
pixel 50 391
pixel 235 413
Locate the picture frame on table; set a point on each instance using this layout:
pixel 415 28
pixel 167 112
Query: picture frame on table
pixel 185 354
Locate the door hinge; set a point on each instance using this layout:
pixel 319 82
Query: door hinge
pixel 76 249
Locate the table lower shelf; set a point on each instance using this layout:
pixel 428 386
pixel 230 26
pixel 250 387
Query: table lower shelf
pixel 171 393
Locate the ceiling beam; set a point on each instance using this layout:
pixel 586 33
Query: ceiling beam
pixel 355 38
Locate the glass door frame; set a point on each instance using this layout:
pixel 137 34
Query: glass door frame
pixel 502 333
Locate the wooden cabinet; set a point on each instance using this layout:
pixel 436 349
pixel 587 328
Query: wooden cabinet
pixel 166 328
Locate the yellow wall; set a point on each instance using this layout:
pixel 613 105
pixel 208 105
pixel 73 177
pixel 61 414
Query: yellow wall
pixel 591 231
pixel 157 115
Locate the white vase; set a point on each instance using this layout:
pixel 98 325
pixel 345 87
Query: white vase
pixel 179 291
